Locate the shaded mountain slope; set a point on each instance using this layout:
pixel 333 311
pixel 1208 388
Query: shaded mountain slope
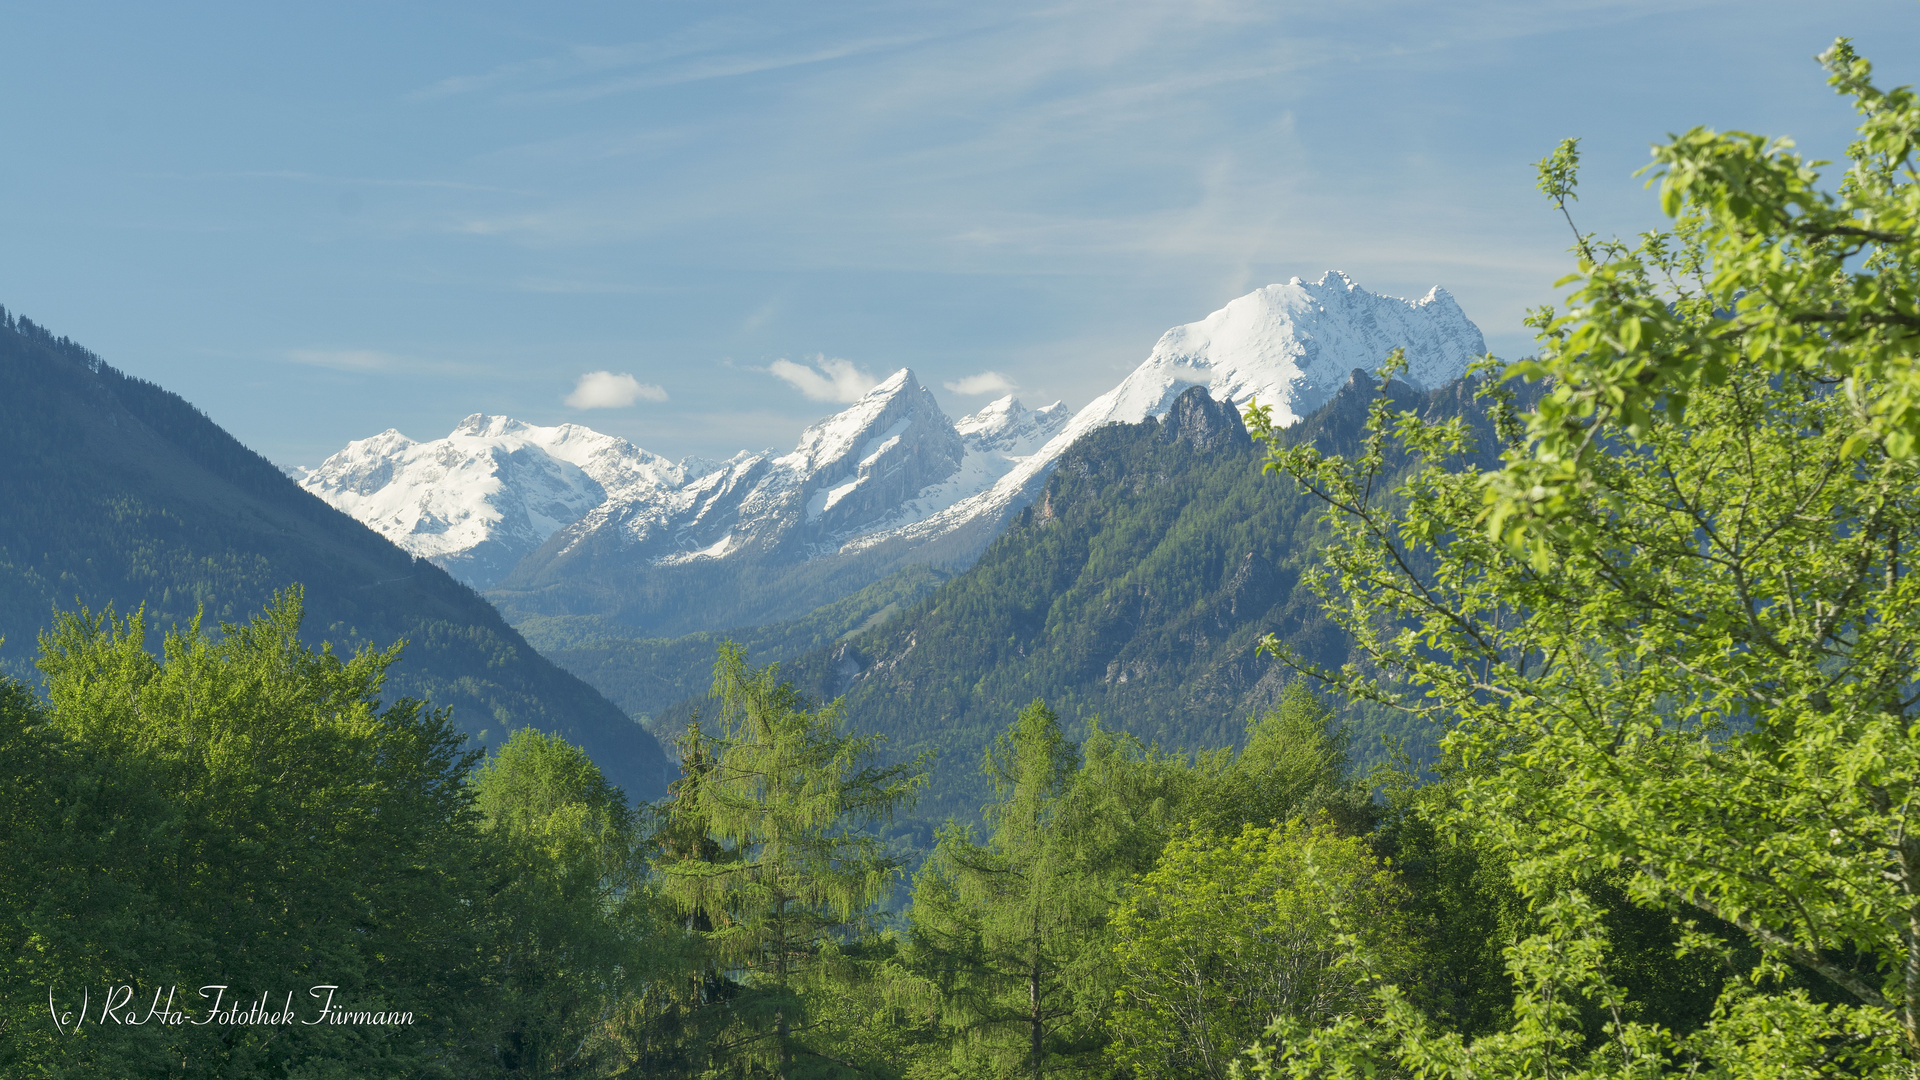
pixel 114 491
pixel 1133 589
pixel 648 677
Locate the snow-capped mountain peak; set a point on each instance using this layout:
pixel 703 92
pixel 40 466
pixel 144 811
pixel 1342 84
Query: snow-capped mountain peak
pixel 478 500
pixel 1290 346
pixel 880 414
pixel 845 473
pixel 1005 424
pixel 888 479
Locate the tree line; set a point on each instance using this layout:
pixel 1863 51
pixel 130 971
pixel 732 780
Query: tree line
pixel 242 811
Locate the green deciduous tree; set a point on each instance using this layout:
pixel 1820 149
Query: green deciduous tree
pixel 1226 934
pixel 576 931
pixel 245 812
pixel 784 797
pixel 1675 633
pixel 77 840
pixel 1764 271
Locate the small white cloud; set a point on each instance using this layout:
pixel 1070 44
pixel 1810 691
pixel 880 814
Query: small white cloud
pixel 346 359
pixel 836 380
pixel 987 382
pixel 605 390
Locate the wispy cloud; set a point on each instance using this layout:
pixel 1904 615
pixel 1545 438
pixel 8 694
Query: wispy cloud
pixel 296 176
pixel 987 382
pixel 725 67
pixel 581 60
pixel 373 181
pixel 565 287
pixel 760 316
pixel 375 361
pixel 348 359
pixel 834 379
pixel 719 48
pixel 605 390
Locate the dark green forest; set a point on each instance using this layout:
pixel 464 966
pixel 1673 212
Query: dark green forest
pixel 660 679
pixel 1648 595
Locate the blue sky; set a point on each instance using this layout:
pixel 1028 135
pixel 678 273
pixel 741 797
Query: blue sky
pixel 318 223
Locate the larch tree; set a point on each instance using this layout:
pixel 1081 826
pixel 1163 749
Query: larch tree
pixel 787 799
pixel 999 929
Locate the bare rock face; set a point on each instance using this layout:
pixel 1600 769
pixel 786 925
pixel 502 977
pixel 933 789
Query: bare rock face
pixel 1202 422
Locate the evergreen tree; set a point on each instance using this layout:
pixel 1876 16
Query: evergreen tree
pixel 1293 763
pixel 1000 929
pixel 786 799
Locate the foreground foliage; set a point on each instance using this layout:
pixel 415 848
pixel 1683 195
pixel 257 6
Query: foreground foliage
pixel 245 812
pixel 1672 638
pixel 1675 634
pixel 1225 933
pixel 239 812
pixel 776 870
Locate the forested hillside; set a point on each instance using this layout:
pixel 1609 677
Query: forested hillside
pixel 116 492
pixel 1134 590
pixel 654 678
pixel 1668 832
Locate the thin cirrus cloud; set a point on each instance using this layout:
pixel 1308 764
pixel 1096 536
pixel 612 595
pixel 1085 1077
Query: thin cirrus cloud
pixel 711 49
pixel 987 382
pixel 346 359
pixel 726 67
pixel 372 360
pixel 605 390
pixel 829 380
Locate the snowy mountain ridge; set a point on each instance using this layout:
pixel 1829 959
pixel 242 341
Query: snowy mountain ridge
pixel 500 501
pixel 889 459
pixel 478 500
pixel 1290 346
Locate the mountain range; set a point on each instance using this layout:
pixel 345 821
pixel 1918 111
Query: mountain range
pixel 476 502
pixel 121 494
pixel 1132 591
pixel 565 523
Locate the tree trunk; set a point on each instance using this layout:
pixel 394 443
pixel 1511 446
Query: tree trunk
pixel 782 1028
pixel 1033 1018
